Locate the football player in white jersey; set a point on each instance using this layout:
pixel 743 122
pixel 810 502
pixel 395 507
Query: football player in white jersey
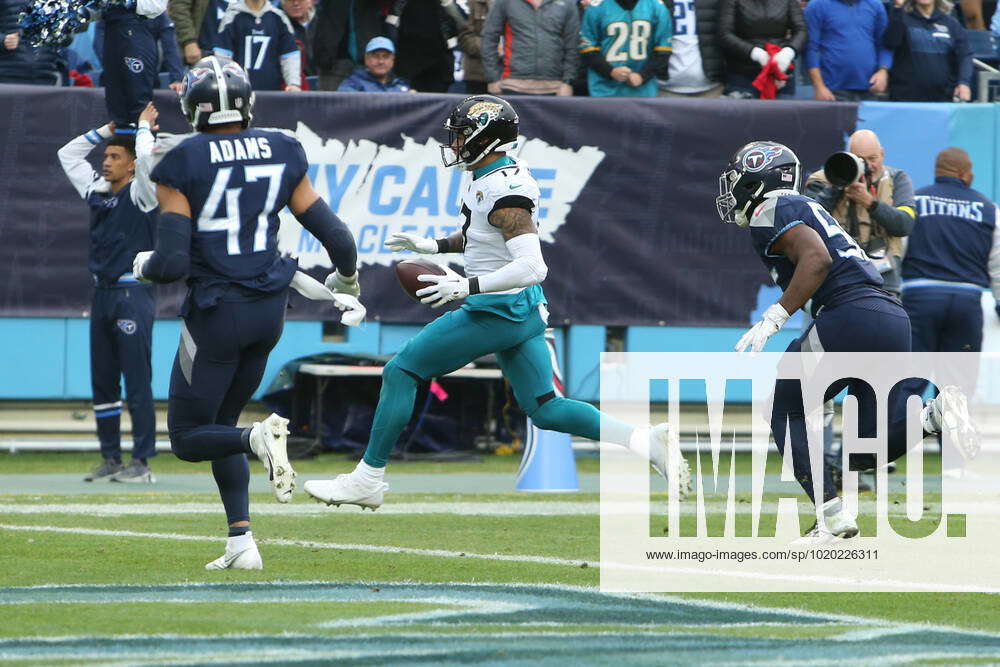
pixel 504 310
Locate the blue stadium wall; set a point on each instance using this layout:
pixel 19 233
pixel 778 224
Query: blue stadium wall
pixel 912 135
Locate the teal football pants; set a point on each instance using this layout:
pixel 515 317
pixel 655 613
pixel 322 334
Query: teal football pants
pixel 461 336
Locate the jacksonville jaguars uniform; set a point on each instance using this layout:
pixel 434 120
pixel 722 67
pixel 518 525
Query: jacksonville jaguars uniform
pixel 510 324
pixel 851 314
pixel 624 37
pixel 234 312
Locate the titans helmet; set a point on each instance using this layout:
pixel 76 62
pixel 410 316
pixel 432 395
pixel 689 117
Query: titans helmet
pixel 485 123
pixel 217 91
pixel 756 169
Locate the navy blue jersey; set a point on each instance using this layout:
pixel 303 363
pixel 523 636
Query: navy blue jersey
pixel 258 42
pixel 955 232
pixel 118 230
pixel 236 185
pixel 851 270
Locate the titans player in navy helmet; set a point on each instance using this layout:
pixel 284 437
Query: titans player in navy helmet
pixel 810 257
pixel 220 191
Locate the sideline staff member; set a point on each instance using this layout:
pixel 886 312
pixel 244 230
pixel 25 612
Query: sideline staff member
pixel 122 219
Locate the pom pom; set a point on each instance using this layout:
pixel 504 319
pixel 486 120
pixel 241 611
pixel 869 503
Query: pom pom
pixel 54 22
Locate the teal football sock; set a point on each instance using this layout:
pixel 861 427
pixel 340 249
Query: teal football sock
pixel 579 418
pixel 395 406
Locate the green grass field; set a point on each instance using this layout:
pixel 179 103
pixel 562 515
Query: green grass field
pixel 116 575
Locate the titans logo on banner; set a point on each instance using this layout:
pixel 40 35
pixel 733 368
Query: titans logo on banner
pixel 379 190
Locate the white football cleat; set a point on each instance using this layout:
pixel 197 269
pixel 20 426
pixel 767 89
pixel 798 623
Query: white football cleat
pixel 662 439
pixel 836 527
pixel 346 490
pixel 268 440
pixel 241 554
pixel 948 412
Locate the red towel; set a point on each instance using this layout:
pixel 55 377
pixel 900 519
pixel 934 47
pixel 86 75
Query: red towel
pixel 80 79
pixel 770 74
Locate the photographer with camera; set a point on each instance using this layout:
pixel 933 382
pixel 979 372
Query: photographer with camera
pixel 872 202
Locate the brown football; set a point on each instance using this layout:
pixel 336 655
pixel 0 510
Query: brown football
pixel 408 270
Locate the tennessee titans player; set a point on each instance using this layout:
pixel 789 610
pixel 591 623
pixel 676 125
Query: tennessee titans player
pixel 220 191
pixel 810 256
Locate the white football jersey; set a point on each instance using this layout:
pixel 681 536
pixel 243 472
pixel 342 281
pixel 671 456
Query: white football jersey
pixel 485 248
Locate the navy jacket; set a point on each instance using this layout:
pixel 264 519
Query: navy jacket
pixel 361 81
pixel 931 56
pixel 25 64
pixel 954 244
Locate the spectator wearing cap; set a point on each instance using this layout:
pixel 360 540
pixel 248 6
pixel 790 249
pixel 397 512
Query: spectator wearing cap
pixel 932 61
pixel 845 55
pixel 746 28
pixel 377 75
pixel 540 44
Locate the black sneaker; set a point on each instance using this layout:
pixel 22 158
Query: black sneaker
pixel 135 472
pixel 104 472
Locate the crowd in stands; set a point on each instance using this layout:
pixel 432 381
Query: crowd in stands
pixel 914 50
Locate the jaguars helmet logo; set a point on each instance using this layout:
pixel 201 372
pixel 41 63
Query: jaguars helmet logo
pixel 482 113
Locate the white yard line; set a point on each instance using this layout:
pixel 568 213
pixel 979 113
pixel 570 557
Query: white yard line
pixel 514 508
pixel 511 558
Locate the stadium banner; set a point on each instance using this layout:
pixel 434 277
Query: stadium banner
pixel 627 212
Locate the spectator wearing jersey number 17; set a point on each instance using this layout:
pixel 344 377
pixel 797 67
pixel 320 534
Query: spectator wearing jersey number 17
pixel 260 37
pixel 746 28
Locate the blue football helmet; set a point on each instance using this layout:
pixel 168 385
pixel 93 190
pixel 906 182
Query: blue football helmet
pixel 756 169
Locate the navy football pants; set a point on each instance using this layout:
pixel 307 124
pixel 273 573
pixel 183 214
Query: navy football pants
pixel 219 364
pixel 131 60
pixel 871 324
pixel 121 342
pixel 945 320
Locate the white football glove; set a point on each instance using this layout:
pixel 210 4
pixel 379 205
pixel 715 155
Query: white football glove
pixel 353 313
pixel 448 287
pixel 784 58
pixel 774 318
pixel 139 263
pixel 338 284
pixel 759 56
pixel 404 241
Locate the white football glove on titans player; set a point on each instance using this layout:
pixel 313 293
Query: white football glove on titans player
pixel 139 263
pixel 404 241
pixel 339 284
pixel 448 287
pixel 774 318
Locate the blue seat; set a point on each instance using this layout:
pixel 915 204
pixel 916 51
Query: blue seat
pixel 982 43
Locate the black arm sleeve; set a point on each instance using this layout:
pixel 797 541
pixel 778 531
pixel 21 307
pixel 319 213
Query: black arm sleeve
pixel 658 64
pixel 336 238
pixel 171 259
pixel 595 60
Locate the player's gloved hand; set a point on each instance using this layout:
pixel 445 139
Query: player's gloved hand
pixel 448 287
pixel 759 56
pixel 404 241
pixel 783 58
pixel 339 284
pixel 774 318
pixel 139 263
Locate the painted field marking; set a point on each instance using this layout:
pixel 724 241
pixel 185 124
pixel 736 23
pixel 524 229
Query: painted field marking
pixel 512 558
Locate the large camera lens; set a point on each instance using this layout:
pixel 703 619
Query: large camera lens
pixel 843 168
